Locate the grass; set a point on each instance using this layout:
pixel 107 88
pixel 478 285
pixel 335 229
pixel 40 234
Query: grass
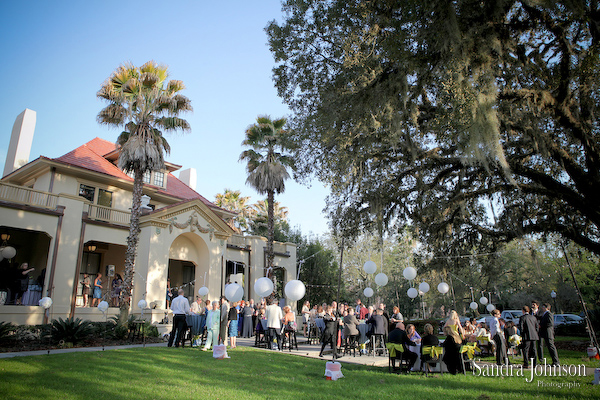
pixel 169 373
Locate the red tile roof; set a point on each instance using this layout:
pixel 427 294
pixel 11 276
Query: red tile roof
pixel 90 156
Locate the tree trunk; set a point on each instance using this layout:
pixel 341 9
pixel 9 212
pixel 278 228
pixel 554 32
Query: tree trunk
pixel 270 231
pixel 132 243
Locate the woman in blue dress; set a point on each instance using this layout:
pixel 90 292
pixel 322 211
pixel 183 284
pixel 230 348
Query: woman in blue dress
pixel 233 324
pixel 97 290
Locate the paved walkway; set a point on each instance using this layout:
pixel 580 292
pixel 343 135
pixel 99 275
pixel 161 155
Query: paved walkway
pixel 304 349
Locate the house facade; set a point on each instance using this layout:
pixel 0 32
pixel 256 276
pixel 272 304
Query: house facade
pixel 69 216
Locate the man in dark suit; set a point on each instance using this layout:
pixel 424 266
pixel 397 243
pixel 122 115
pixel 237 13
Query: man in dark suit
pixel 535 311
pixel 528 325
pixel 547 331
pixel 398 335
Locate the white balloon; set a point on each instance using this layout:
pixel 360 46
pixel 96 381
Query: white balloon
pixel 203 291
pixel 370 267
pixel 483 300
pixel 234 292
pixel 142 304
pixel 103 306
pixel 443 287
pixel 424 287
pixel 409 273
pixel 412 292
pixel 45 302
pixel 263 286
pixel 473 305
pixel 368 292
pixel 490 307
pixel 9 252
pixel 381 279
pixel 295 290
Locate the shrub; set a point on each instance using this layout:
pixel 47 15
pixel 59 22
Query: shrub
pixel 150 330
pixel 7 330
pixel 71 330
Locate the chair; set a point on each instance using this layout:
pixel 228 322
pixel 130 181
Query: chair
pixel 261 335
pixel 313 333
pixel 381 347
pixel 395 349
pixel 485 344
pixel 468 351
pixel 350 345
pixel 431 356
pixel 290 335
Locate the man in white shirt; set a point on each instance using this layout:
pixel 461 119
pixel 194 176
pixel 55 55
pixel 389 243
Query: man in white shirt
pixel 274 317
pixel 181 307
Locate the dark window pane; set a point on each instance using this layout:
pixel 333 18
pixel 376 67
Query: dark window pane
pixel 87 192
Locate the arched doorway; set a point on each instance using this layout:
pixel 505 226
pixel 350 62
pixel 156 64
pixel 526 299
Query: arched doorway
pixel 188 263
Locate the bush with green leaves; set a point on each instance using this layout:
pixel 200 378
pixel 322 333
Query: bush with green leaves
pixel 71 330
pixel 7 330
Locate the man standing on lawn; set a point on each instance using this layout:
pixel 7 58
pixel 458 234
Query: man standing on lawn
pixel 181 307
pixel 224 320
pixel 547 332
pixel 274 317
pixel 528 325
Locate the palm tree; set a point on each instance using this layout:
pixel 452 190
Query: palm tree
pixel 259 217
pixel 267 167
pixel 233 200
pixel 261 207
pixel 144 104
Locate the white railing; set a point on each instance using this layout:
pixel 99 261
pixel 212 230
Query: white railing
pixel 107 214
pixel 237 240
pixel 24 195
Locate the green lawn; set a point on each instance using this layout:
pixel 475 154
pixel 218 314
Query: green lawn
pixel 169 373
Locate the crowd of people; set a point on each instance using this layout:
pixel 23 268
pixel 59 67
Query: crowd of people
pixel 340 324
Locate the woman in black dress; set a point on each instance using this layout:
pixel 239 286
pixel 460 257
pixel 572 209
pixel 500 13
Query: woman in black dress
pixel 451 346
pixel 330 332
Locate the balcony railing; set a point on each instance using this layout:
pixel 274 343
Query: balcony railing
pixel 237 240
pixel 24 195
pixel 107 214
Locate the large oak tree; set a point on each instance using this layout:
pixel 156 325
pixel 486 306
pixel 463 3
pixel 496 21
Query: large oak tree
pixel 475 121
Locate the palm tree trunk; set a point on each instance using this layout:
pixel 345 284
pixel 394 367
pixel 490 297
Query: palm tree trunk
pixel 132 243
pixel 270 231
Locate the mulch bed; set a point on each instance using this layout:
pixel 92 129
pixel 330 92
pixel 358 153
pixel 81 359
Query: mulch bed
pixel 33 345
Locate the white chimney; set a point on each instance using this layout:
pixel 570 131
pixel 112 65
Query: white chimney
pixel 20 141
pixel 188 176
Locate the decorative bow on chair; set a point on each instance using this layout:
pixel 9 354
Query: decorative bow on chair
pixel 470 349
pixel 433 351
pixel 393 348
pixel 483 340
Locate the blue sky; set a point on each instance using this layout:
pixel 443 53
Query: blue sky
pixel 57 54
